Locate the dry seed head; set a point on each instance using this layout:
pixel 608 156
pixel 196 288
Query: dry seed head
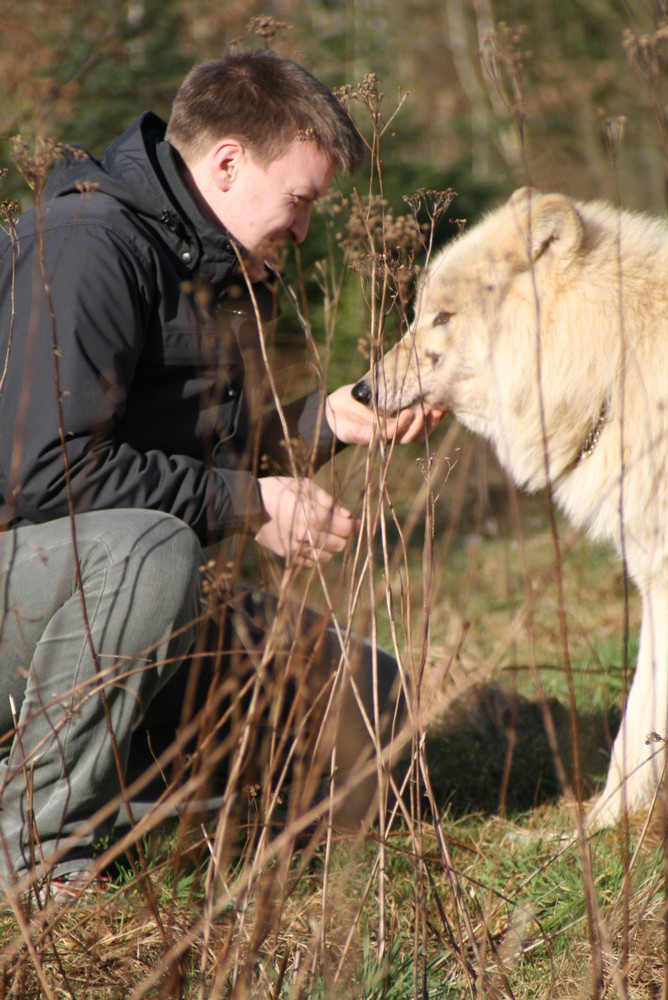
pixel 267 27
pixel 363 347
pixel 333 203
pixel 217 581
pixel 9 213
pixel 35 160
pixel 647 54
pixel 377 242
pixel 372 228
pixel 307 134
pixel 369 93
pixel 503 61
pixel 613 129
pixel 435 203
pixel 511 39
pixel 345 93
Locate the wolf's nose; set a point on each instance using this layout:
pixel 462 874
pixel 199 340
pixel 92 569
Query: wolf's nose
pixel 361 391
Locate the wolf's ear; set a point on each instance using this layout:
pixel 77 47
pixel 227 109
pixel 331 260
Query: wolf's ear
pixel 523 196
pixel 552 225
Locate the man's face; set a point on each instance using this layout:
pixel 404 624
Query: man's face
pixel 266 205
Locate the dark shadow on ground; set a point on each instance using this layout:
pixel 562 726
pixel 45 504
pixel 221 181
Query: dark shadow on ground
pixel 490 752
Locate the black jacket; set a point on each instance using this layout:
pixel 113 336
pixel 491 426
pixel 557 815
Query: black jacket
pixel 125 339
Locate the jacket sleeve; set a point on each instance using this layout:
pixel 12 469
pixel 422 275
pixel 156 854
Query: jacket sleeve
pixel 312 442
pixel 73 304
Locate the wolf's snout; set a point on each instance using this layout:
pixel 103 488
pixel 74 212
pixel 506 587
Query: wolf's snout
pixel 361 391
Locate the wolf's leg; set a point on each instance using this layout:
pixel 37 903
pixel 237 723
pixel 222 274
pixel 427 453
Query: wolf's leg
pixel 636 764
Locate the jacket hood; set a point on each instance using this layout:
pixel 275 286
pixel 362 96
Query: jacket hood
pixel 141 171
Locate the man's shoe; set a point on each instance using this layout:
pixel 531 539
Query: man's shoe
pixel 76 886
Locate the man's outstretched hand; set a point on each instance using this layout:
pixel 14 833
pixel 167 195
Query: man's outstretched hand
pixel 355 423
pixel 303 520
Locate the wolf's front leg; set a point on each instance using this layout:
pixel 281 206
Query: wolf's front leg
pixel 637 755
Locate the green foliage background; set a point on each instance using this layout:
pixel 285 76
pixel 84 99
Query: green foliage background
pixel 568 95
pixel 532 110
pixel 80 71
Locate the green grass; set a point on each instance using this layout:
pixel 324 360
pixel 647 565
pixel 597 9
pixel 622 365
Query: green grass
pixel 482 890
pixel 498 907
pixel 476 884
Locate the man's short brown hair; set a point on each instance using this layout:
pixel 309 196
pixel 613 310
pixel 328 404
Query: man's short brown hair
pixel 264 100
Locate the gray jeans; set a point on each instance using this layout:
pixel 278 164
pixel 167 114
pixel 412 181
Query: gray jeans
pixel 71 677
pixel 73 672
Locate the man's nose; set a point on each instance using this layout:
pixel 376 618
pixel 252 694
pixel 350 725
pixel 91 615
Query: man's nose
pixel 301 223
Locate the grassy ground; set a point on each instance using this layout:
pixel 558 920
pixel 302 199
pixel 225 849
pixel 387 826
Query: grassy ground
pixel 477 884
pixel 476 881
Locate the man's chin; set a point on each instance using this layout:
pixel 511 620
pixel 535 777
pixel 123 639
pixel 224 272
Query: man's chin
pixel 271 255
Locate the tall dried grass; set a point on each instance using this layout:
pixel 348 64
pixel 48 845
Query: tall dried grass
pixel 453 890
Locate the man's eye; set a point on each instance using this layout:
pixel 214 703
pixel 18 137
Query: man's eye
pixel 442 317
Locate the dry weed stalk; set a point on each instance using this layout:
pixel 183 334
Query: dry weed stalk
pixel 243 927
pixel 648 57
pixel 504 62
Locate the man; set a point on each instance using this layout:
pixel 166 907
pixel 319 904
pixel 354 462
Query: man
pixel 128 433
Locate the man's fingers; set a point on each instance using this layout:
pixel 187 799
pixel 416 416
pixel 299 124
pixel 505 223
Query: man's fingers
pixel 410 425
pixel 320 549
pixel 328 531
pixel 337 522
pixel 406 426
pixel 306 520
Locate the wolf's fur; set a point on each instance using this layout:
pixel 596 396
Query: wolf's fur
pixel 545 329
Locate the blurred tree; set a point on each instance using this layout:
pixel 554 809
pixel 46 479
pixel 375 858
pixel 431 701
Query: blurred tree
pixel 565 94
pixel 92 69
pixel 139 71
pixel 588 60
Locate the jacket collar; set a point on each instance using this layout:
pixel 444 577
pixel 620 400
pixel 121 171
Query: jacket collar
pixel 214 257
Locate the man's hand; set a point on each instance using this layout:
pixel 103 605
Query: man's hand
pixel 303 520
pixel 355 423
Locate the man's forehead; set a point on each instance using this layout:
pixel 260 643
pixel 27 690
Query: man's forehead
pixel 308 161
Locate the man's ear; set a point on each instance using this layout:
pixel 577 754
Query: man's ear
pixel 225 159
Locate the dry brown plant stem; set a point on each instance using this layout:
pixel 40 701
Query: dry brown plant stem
pixel 37 188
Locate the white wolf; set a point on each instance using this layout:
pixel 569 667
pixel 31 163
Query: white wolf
pixel 545 329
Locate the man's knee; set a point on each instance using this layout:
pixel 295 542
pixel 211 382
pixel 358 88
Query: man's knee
pixel 144 533
pixel 157 550
pixel 153 577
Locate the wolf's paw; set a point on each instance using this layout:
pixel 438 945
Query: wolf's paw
pixel 607 809
pixel 603 811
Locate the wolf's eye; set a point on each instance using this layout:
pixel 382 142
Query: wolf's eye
pixel 442 317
